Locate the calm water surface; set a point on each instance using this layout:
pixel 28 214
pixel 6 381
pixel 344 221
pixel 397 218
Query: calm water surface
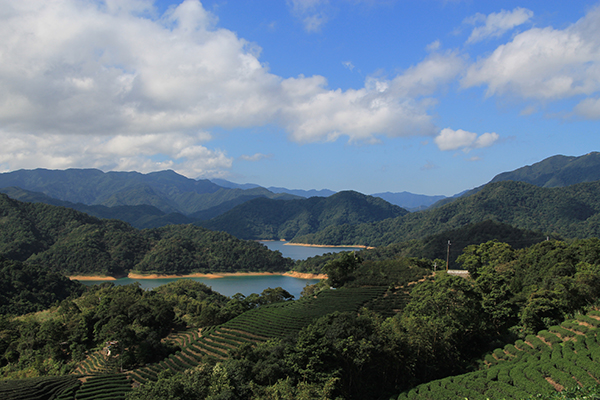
pixel 247 285
pixel 302 252
pixel 229 285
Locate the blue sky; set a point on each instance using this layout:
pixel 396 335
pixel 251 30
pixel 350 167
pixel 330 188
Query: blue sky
pixel 426 96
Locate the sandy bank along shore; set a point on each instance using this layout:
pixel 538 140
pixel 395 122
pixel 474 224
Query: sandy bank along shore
pixel 293 274
pixel 303 275
pixel 360 246
pixel 92 278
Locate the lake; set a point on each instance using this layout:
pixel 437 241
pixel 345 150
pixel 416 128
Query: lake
pixel 302 252
pixel 247 285
pixel 229 285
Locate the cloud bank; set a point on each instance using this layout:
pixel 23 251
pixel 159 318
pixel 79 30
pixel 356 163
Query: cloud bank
pixel 125 88
pixel 116 85
pixel 546 64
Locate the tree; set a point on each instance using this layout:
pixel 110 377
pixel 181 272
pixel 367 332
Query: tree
pixel 339 271
pixel 475 257
pixel 443 323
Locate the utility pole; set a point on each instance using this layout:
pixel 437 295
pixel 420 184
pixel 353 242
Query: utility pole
pixel 448 257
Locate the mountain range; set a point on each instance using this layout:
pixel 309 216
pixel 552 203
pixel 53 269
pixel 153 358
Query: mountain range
pixel 528 198
pixel 407 200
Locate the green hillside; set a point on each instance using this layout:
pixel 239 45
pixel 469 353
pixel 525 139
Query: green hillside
pixel 274 219
pixel 569 212
pixel 557 171
pixel 62 239
pixel 435 247
pixel 29 288
pixel 565 358
pixel 388 327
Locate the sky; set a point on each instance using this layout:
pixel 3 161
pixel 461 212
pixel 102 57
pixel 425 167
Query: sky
pixel 427 96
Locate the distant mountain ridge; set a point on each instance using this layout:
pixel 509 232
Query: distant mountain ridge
pixel 142 216
pixel 165 190
pixel 551 172
pixel 410 201
pixel 407 200
pixel 274 189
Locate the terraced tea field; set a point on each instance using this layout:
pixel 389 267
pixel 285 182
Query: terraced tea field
pixel 97 378
pixel 100 387
pixel 271 321
pixel 565 356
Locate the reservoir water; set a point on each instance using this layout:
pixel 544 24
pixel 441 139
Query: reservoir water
pixel 247 285
pixel 302 252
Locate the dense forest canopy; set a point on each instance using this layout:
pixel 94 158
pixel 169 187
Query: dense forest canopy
pixel 416 328
pixel 277 219
pixel 436 248
pixel 569 212
pixel 65 240
pixel 388 322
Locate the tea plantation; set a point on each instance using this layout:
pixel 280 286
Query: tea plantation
pixel 98 377
pixel 563 357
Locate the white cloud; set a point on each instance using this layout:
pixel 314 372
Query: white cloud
pixel 394 108
pixel 348 64
pixel 450 139
pixel 144 153
pixel 544 64
pixel 433 46
pixel 485 140
pixel 256 157
pixel 426 77
pixel 496 24
pixel 115 85
pixel 312 13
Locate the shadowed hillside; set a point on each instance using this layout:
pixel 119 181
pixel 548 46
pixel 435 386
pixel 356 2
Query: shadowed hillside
pixel 275 219
pixel 569 212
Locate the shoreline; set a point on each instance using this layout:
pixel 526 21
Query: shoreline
pixel 287 243
pixel 293 274
pixel 359 246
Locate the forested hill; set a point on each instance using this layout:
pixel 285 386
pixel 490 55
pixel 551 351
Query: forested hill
pixel 570 212
pixel 557 171
pixel 277 219
pixel 165 190
pixel 71 242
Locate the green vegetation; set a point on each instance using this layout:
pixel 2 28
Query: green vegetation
pixel 434 247
pixel 276 219
pixel 557 171
pixel 380 333
pixel 29 288
pixel 383 325
pixel 110 328
pixel 545 366
pixel 569 212
pixel 70 242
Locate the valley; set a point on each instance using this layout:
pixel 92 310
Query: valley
pixel 384 320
